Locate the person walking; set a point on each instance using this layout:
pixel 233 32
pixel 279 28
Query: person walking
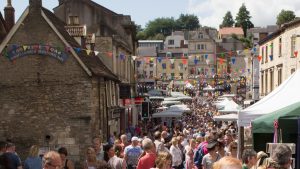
pixel 148 160
pixel 132 153
pixel 33 161
pixel 176 154
pixel 67 163
pixel 113 161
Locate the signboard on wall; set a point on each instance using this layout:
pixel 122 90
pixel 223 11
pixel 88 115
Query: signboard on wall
pixel 16 51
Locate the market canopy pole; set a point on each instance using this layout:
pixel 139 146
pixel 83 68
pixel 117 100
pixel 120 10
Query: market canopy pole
pixel 240 140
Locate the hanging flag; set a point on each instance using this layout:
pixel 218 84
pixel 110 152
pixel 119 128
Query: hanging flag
pixel 195 61
pixel 88 52
pixel 25 47
pixel 221 61
pixel 207 61
pixel 159 59
pixel 259 58
pixel 133 57
pixel 233 60
pixel 295 53
pixel 184 61
pixel 96 53
pixel 172 61
pixel 151 59
pixel 67 49
pixel 110 54
pixel 78 50
pixel 206 56
pixel 271 57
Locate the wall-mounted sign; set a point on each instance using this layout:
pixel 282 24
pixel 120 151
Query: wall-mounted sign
pixel 15 51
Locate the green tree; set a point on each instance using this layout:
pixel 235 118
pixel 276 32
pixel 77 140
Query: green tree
pixel 285 16
pixel 188 22
pixel 227 20
pixel 243 19
pixel 160 25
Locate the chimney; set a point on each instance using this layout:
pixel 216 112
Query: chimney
pixel 9 15
pixel 35 5
pixel 60 2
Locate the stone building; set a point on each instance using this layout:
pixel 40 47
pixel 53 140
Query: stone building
pixel 172 61
pixel 202 52
pixel 52 93
pixel 279 56
pixel 113 35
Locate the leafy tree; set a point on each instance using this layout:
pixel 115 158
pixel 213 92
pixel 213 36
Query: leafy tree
pixel 243 19
pixel 227 20
pixel 285 16
pixel 160 25
pixel 188 22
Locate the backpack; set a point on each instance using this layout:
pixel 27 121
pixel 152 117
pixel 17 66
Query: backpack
pixel 199 156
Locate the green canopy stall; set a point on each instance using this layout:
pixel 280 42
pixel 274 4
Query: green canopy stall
pixel 287 118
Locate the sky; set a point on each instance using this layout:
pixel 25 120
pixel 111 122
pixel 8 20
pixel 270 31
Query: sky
pixel 209 12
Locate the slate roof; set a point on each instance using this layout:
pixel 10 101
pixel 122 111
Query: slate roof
pixel 93 63
pixel 280 30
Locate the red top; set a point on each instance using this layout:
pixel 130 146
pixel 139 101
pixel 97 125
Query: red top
pixel 147 161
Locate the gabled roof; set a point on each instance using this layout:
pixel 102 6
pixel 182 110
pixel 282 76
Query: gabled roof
pixel 91 64
pixel 231 30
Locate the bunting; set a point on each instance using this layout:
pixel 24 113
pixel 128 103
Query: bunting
pixel 295 53
pixel 271 57
pixel 259 58
pixel 233 60
pixel 172 61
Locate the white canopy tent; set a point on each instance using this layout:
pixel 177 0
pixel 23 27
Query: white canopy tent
pixel 226 117
pixel 167 114
pixel 284 95
pixel 230 107
pixel 173 111
pixel 180 107
pixel 184 98
pixel 177 94
pixel 170 102
pixel 171 99
pixel 222 104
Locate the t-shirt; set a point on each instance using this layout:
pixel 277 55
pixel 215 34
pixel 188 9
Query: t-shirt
pixel 147 162
pixel 33 163
pixel 133 154
pixel 244 166
pixel 116 162
pixel 14 159
pixel 208 162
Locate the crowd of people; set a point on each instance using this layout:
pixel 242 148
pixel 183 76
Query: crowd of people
pixel 193 142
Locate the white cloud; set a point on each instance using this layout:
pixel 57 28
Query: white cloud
pixel 263 12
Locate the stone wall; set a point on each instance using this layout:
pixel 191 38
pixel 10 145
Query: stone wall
pixel 42 97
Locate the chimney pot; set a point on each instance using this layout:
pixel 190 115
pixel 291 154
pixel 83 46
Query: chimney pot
pixel 9 15
pixel 35 4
